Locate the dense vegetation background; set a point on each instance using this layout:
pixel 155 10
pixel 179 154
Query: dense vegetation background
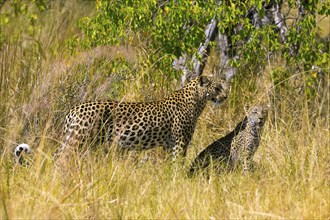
pixel 55 54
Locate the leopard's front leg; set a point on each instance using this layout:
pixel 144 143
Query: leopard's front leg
pixel 247 163
pixel 180 149
pixel 181 136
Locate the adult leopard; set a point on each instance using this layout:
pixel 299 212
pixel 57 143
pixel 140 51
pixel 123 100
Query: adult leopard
pixel 169 123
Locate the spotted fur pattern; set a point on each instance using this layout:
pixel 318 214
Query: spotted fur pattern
pixel 169 122
pixel 237 147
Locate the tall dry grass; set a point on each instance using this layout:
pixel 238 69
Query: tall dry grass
pixel 292 178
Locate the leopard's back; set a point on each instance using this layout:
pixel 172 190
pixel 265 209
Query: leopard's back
pixel 218 152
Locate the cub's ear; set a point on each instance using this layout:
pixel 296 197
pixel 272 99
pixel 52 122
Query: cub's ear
pixel 266 107
pixel 246 108
pixel 204 81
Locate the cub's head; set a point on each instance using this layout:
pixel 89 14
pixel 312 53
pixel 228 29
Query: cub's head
pixel 211 89
pixel 256 115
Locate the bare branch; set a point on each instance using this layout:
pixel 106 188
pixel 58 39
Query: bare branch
pixel 197 63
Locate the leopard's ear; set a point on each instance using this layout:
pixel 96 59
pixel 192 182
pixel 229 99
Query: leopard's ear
pixel 204 81
pixel 246 108
pixel 266 107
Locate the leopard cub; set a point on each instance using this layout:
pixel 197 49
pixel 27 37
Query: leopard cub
pixel 237 147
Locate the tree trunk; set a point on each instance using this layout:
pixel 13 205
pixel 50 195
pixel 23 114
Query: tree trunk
pixel 197 63
pixel 195 66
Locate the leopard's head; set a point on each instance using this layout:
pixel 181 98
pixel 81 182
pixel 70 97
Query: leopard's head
pixel 257 115
pixel 212 89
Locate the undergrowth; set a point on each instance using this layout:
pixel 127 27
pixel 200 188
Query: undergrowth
pixel 39 86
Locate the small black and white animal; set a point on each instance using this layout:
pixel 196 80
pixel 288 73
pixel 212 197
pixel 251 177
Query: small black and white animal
pixel 19 152
pixel 237 147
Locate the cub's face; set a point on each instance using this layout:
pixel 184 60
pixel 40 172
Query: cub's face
pixel 257 116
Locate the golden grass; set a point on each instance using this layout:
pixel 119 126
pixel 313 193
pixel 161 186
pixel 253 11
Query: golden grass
pixel 292 178
pixel 292 181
